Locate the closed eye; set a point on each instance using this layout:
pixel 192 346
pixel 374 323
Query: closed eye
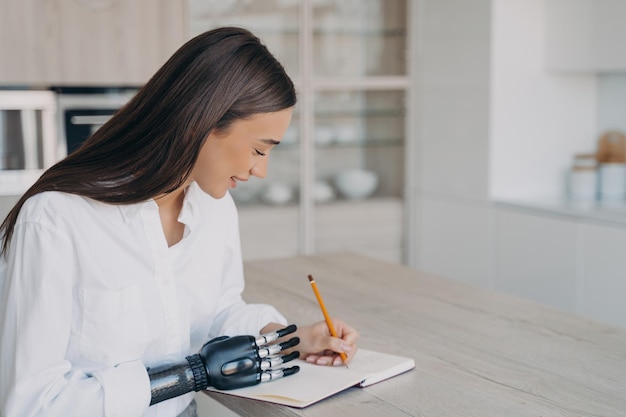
pixel 258 152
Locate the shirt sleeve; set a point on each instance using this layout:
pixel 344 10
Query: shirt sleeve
pixel 37 284
pixel 235 316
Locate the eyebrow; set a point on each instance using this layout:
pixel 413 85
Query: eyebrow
pixel 270 141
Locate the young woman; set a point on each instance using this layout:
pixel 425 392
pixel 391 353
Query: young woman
pixel 126 255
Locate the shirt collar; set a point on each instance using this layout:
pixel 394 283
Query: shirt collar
pixel 190 205
pixel 130 211
pixel 114 211
pixel 194 202
pixel 197 204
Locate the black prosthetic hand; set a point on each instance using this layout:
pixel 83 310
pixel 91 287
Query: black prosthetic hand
pixel 225 363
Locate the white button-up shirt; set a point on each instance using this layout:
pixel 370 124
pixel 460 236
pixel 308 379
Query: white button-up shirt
pixel 91 295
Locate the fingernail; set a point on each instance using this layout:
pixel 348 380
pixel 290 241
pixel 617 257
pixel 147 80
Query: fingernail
pixel 322 362
pixel 310 359
pixel 346 348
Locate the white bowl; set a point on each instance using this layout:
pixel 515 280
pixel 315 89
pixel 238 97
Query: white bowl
pixel 347 133
pixel 356 183
pixel 324 135
pixel 277 194
pixel 323 192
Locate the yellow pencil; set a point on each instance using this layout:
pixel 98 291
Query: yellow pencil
pixel 329 323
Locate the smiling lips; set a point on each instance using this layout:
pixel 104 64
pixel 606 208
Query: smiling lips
pixel 233 181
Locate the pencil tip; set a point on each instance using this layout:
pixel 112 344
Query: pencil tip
pixel 310 278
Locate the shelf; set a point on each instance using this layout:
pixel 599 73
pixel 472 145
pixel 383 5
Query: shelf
pixel 349 63
pixel 368 143
pixel 385 32
pixel 613 214
pixel 16 182
pixel 343 225
pixel 356 82
pixel 291 31
pixel 366 113
pixel 256 203
pixel 362 143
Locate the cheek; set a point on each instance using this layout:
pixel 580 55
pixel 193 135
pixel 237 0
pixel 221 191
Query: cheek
pixel 204 164
pixel 227 158
pixel 204 170
pixel 236 158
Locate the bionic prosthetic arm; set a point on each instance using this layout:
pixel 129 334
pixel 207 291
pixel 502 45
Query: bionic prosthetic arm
pixel 225 363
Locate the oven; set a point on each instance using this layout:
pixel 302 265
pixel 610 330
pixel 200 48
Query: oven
pixel 82 110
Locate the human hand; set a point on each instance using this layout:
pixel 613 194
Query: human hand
pixel 319 347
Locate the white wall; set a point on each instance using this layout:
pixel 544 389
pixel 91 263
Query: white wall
pixel 611 103
pixel 453 91
pixel 539 120
pixel 452 123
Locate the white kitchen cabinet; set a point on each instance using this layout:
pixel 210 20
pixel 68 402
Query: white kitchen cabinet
pixel 605 274
pixel 494 124
pixel 349 62
pixel 586 35
pixel 456 241
pixel 88 41
pixel 346 226
pixel 537 257
pixel 267 232
pixel 6 204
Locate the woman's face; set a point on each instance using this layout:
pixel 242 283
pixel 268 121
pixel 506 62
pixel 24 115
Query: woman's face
pixel 238 152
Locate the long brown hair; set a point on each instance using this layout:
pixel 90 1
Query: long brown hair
pixel 150 146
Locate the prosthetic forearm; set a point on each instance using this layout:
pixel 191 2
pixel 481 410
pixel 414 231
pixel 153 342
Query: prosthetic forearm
pixel 225 363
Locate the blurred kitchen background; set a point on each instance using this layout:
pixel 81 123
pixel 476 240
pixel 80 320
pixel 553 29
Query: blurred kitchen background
pixel 479 140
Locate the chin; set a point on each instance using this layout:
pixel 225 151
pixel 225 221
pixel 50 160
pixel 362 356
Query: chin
pixel 214 192
pixel 218 195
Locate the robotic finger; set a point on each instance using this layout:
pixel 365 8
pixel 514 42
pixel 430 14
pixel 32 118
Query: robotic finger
pixel 278 347
pixel 272 374
pixel 274 361
pixel 268 338
pixel 269 358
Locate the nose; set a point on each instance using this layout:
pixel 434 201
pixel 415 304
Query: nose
pixel 259 169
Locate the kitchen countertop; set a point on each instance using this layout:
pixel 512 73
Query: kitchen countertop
pixel 477 352
pixel 14 183
pixel 610 213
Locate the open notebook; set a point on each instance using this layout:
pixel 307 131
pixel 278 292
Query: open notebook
pixel 314 383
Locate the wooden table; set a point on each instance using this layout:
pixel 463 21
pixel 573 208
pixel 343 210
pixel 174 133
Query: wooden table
pixel 477 352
